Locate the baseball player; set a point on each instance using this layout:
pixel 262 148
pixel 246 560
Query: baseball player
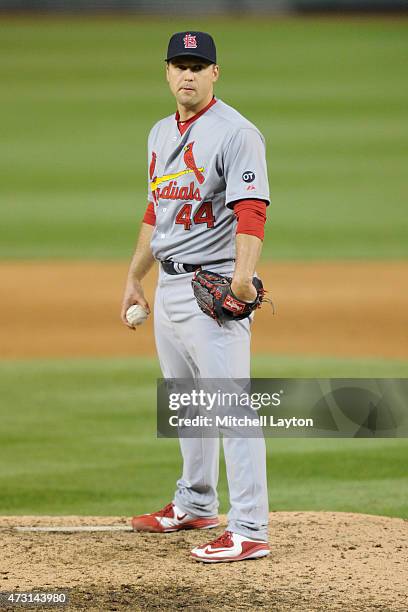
pixel 207 197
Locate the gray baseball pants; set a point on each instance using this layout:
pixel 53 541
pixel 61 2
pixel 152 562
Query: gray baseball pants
pixel 191 345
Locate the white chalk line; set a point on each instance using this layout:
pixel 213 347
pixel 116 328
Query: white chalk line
pixel 73 529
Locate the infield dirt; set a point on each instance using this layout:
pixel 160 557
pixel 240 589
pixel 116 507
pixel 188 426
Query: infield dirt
pixel 71 309
pixel 319 561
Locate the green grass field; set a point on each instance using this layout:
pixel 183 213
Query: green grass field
pixel 79 437
pixel 79 97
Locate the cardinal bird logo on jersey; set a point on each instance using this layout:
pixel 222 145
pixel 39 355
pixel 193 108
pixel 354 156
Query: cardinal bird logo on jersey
pixel 172 191
pixel 152 165
pixel 152 168
pixel 190 162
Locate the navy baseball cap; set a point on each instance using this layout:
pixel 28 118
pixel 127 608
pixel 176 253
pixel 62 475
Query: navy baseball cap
pixel 197 44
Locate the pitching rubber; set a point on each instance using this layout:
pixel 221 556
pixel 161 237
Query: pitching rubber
pixel 152 526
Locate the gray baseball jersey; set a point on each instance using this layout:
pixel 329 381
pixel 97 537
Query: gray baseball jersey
pixel 194 178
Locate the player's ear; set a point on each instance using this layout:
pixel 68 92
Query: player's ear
pixel 167 71
pixel 216 72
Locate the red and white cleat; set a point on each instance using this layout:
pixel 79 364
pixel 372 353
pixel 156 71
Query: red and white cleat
pixel 171 518
pixel 230 547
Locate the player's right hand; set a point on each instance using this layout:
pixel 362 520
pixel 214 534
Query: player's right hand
pixel 133 295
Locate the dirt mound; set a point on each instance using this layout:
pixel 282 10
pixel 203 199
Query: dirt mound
pixel 71 309
pixel 319 561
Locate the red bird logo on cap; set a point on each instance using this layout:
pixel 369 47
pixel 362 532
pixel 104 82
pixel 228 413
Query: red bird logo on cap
pixel 190 162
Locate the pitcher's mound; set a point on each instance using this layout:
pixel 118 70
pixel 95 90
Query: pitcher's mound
pixel 319 561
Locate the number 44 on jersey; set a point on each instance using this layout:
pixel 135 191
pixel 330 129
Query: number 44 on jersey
pixel 204 214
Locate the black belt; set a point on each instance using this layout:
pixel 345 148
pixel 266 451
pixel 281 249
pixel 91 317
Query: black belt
pixel 171 267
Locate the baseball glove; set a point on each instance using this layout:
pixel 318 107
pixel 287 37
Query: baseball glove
pixel 215 298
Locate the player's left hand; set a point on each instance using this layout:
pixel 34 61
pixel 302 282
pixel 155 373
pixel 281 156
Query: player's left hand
pixel 216 298
pixel 245 292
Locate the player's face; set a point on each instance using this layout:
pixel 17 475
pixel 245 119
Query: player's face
pixel 191 81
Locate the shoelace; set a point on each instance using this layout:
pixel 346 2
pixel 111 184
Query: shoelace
pixel 223 541
pixel 166 511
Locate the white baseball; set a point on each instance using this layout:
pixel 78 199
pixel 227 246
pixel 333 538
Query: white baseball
pixel 136 315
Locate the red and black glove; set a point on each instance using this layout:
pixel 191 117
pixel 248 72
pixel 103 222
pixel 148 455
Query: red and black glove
pixel 216 299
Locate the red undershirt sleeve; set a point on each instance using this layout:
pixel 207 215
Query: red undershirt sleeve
pixel 150 215
pixel 251 216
